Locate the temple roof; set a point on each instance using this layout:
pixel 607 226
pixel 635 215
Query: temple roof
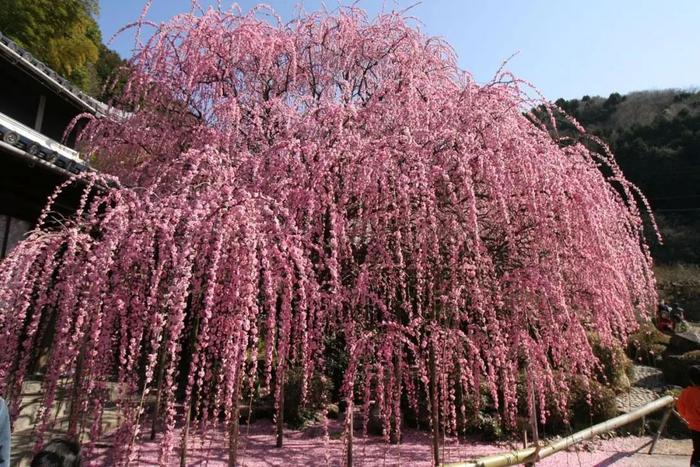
pixel 40 71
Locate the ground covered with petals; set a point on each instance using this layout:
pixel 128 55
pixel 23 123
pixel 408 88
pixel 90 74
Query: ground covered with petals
pixel 304 449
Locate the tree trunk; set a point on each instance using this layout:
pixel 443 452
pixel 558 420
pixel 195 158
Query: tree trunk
pixel 233 426
pixel 280 411
pixel 533 419
pixel 434 408
pixel 351 431
pixel 75 396
pixel 533 423
pixel 396 428
pixel 156 409
pixel 188 400
pixel 185 435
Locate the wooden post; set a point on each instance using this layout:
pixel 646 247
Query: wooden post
pixel 664 420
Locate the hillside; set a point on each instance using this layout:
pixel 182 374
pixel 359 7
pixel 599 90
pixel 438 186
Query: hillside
pixel 66 37
pixel 655 136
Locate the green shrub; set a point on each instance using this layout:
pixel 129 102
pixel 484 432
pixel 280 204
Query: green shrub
pixel 603 404
pixel 614 365
pixel 488 427
pixel 296 414
pixel 647 344
pixel 333 411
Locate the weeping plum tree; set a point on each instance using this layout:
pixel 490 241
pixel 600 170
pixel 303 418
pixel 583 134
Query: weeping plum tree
pixel 276 184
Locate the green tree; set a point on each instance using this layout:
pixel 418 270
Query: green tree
pixel 63 34
pixel 109 66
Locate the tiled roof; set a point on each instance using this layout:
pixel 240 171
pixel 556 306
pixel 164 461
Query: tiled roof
pixel 23 141
pixel 12 51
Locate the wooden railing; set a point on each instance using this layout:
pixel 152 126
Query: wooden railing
pixel 533 454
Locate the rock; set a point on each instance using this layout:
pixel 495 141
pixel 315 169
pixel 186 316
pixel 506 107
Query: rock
pixel 675 367
pixel 683 342
pixel 647 377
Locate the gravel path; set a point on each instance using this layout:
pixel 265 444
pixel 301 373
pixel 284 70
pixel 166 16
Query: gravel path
pixel 647 384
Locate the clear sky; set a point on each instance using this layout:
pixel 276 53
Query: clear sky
pixel 566 48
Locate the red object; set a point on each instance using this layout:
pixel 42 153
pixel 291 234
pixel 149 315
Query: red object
pixel 665 324
pixel 688 406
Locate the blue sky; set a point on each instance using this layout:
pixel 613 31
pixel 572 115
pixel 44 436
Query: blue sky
pixel 566 48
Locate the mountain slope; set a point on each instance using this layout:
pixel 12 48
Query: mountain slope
pixel 655 136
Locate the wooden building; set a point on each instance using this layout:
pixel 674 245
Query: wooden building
pixel 36 107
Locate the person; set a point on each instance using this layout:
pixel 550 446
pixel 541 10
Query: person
pixel 58 453
pixel 688 405
pixel 5 436
pixel 664 323
pixel 677 316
